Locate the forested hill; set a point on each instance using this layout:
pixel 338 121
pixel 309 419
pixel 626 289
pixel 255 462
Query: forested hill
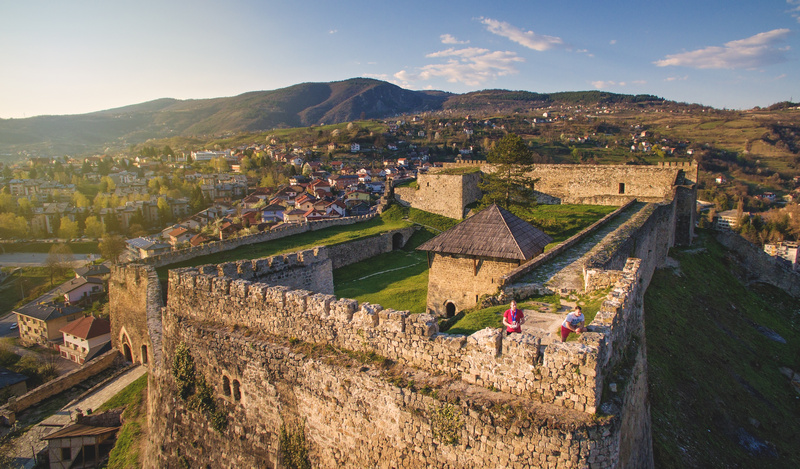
pixel 299 105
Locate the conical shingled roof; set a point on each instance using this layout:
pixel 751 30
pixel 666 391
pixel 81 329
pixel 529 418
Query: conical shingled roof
pixel 492 232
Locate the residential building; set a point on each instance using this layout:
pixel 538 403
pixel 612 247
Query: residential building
pixel 81 290
pixel 11 383
pixel 85 338
pixel 729 219
pixel 85 443
pixel 785 250
pixel 40 320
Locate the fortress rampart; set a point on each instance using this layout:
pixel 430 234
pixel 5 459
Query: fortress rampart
pixel 347 412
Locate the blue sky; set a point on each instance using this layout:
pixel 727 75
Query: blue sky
pixel 72 57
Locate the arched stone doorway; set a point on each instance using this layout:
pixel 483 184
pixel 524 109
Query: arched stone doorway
pixel 449 309
pixel 397 241
pixel 126 350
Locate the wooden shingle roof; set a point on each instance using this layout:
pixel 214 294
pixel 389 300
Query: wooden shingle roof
pixel 492 232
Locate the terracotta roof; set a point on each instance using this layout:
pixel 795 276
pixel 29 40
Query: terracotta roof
pixel 493 232
pixel 87 327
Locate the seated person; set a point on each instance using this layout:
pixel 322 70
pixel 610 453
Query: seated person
pixel 574 322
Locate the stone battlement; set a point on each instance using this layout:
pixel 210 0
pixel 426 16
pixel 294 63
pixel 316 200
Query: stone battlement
pixel 567 374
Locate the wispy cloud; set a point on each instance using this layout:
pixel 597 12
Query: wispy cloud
pixel 603 84
pixel 683 78
pixel 450 39
pixel 471 66
pixel 612 42
pixel 529 39
pixel 755 51
pixel 795 9
pixel 333 31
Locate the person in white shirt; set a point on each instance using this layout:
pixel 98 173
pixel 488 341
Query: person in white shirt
pixel 574 322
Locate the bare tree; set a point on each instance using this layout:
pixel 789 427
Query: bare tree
pixel 59 261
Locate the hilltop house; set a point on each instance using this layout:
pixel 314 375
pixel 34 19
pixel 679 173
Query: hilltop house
pixel 81 289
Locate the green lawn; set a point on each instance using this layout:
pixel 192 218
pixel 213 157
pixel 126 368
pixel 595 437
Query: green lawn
pixel 718 398
pixel 563 221
pixel 134 398
pixel 33 281
pixel 397 280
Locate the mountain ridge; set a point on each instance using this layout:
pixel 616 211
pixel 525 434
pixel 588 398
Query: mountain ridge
pixel 298 105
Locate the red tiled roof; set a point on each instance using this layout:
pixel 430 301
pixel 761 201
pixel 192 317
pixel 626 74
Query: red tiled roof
pixel 87 327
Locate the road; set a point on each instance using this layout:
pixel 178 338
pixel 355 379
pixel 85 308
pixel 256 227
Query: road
pixel 30 259
pixel 31 441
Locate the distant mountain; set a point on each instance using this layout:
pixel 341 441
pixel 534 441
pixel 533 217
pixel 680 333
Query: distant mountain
pixel 296 106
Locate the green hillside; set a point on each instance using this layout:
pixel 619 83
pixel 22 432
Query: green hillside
pixel 715 349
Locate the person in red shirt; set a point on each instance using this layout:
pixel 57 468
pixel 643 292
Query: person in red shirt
pixel 513 319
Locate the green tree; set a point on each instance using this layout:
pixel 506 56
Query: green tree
pixel 164 211
pixel 94 227
pixel 13 226
pixel 67 228
pixel 508 185
pixel 111 247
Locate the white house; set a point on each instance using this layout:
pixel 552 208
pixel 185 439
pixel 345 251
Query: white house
pixel 81 289
pixel 84 338
pixel 355 148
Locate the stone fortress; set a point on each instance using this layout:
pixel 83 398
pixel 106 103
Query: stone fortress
pixel 274 353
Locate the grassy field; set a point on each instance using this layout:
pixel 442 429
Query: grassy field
pixel 310 239
pixel 718 398
pixel 129 439
pixel 87 247
pixel 397 280
pixel 33 281
pixel 563 221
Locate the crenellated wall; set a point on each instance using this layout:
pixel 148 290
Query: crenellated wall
pixel 357 416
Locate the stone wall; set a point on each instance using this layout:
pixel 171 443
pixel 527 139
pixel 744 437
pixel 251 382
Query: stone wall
pixel 755 265
pixel 355 418
pixel 443 194
pixel 62 383
pixel 277 232
pixel 537 261
pixel 344 254
pixel 135 301
pixel 353 415
pixel 648 235
pixel 603 184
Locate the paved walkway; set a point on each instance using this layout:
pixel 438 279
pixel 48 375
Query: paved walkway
pixel 31 441
pixel 566 269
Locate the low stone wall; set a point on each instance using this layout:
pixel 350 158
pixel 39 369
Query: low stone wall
pixel 277 232
pixel 62 383
pixel 344 254
pixel 757 265
pixel 529 266
pixel 648 235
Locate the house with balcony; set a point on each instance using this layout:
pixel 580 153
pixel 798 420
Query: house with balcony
pixel 85 339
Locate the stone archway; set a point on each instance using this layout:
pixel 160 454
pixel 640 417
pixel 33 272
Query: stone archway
pixel 449 309
pixel 397 241
pixel 126 350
